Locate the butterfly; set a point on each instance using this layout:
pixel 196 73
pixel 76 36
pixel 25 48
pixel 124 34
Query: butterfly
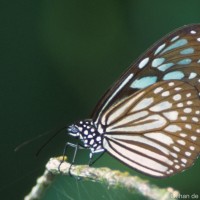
pixel 150 118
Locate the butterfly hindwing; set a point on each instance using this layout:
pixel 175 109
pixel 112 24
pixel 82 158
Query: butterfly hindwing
pixel 155 130
pixel 175 57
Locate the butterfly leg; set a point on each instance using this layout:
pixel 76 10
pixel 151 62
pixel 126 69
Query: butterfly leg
pixel 76 147
pixel 91 162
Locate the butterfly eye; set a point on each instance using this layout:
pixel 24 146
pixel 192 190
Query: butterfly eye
pixel 73 130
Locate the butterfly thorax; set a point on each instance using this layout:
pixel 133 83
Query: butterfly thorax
pixel 88 134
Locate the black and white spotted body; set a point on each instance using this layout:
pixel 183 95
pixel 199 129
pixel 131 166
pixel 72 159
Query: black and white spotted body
pixel 88 134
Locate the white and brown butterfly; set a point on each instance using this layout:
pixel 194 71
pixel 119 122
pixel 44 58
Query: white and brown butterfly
pixel 149 119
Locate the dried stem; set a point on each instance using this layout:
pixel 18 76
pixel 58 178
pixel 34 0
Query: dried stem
pixel 104 175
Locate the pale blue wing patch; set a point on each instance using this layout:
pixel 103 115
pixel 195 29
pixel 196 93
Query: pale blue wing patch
pixel 176 75
pixel 158 61
pixel 187 51
pixel 144 82
pixel 166 66
pixel 185 61
pixel 177 44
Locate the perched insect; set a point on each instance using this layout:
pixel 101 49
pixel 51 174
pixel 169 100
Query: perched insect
pixel 150 118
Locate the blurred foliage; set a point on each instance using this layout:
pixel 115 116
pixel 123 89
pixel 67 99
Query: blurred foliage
pixel 57 59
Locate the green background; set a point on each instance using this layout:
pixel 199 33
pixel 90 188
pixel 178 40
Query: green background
pixel 56 60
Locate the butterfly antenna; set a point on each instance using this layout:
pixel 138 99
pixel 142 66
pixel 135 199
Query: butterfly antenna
pixel 49 140
pixel 31 140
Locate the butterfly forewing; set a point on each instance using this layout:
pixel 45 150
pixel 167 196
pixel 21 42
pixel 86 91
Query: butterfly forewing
pixel 155 130
pixel 175 57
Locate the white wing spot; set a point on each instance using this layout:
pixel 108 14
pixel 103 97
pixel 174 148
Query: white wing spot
pixel 197 112
pixel 183 135
pixel 171 84
pixel 179 105
pixel 192 75
pixel 193 138
pixel 174 38
pixel 143 63
pixel 182 142
pixel 192 148
pixel 193 32
pixel 187 153
pixel 188 95
pixel 183 160
pixel 189 102
pixel 184 118
pixel 159 48
pixel 177 166
pixel 187 110
pixel 198 39
pixel 176 148
pixel 177 97
pixel 165 94
pixel 176 161
pixel 178 88
pixel 157 90
pixel 195 119
pixel 198 130
pixel 188 126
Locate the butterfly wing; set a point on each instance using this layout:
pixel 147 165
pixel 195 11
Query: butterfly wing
pixel 175 56
pixel 155 130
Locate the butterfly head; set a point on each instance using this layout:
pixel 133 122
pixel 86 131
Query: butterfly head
pixel 73 130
